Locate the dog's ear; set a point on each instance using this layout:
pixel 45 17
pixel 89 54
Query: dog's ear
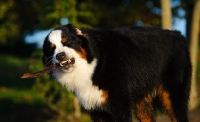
pixel 78 32
pixel 73 29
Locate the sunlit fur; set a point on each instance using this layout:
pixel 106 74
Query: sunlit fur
pixel 122 71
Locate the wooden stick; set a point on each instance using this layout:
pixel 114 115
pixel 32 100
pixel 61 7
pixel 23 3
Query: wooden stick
pixel 39 73
pixel 47 69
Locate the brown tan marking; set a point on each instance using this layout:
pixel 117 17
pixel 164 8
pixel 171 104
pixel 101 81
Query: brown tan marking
pixel 52 45
pixel 145 110
pixel 141 114
pixel 82 53
pixel 104 96
pixel 166 102
pixel 64 40
pixel 85 35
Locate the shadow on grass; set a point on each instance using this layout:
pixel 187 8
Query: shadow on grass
pixel 18 112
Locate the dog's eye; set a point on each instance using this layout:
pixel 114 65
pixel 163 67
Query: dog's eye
pixel 66 42
pixel 52 46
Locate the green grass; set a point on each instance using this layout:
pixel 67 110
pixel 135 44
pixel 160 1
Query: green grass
pixel 21 96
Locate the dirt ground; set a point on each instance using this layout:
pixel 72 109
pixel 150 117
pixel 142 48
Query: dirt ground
pixel 194 116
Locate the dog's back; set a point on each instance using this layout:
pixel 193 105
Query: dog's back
pixel 143 68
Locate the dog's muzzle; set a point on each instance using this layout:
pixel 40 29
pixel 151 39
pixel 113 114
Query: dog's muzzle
pixel 64 60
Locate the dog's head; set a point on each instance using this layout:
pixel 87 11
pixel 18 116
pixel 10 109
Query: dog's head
pixel 64 43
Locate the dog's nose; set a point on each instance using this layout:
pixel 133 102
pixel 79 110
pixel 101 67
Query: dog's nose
pixel 61 56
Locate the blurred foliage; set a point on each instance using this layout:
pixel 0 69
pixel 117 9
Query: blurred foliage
pixel 21 17
pixel 117 13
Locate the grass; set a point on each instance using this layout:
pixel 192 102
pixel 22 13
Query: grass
pixel 21 96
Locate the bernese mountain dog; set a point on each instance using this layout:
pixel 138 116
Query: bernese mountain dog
pixel 117 72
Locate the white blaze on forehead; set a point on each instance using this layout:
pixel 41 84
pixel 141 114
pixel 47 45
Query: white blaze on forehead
pixel 55 37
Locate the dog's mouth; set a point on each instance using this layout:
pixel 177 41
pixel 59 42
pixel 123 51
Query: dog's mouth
pixel 66 64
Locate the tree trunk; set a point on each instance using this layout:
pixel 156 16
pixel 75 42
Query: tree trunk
pixel 166 14
pixel 190 10
pixel 194 42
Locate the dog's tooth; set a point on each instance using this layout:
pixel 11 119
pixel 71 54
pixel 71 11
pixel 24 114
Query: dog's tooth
pixel 62 63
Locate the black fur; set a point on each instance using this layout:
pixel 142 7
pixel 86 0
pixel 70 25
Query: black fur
pixel 141 68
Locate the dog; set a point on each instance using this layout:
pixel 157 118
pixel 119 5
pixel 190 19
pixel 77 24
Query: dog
pixel 117 72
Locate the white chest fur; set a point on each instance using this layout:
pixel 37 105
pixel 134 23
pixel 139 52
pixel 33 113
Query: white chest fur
pixel 78 77
pixel 79 81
